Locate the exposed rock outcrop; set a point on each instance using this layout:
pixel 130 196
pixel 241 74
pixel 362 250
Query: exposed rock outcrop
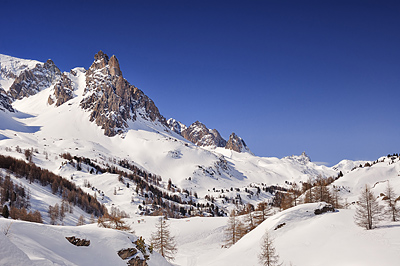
pixel 137 262
pixel 31 81
pixel 63 91
pixel 5 102
pixel 324 207
pixel 126 253
pixel 78 241
pixel 200 135
pixel 176 126
pixel 112 100
pixel 236 143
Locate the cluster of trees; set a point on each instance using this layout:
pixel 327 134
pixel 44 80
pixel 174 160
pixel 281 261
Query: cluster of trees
pixel 313 191
pixel 369 212
pixel 22 214
pixel 16 195
pixel 59 185
pixel 58 213
pixel 114 220
pixel 171 202
pixel 237 227
pixel 15 201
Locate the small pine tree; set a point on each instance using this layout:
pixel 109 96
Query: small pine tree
pixel 162 241
pixel 81 221
pixel 390 197
pixel 5 212
pixel 367 210
pixel 234 230
pixel 336 199
pixel 268 255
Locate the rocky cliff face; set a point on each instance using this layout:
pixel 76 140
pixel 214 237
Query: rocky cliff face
pixel 63 91
pixel 236 143
pixel 31 81
pixel 200 135
pixel 5 102
pixel 176 126
pixel 112 100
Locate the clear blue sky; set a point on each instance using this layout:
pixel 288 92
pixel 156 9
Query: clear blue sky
pixel 287 76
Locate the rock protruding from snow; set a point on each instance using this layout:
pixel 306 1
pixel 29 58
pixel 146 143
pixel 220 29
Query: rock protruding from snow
pixel 112 100
pixel 5 102
pixel 176 126
pixel 200 135
pixel 237 144
pixel 78 241
pixel 323 207
pixel 63 91
pixel 31 81
pixel 127 252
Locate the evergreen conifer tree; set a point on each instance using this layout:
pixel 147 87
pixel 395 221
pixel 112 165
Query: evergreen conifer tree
pixel 5 213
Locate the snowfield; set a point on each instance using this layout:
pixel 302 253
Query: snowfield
pixel 327 239
pixel 39 244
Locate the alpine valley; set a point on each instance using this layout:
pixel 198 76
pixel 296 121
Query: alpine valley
pixel 93 143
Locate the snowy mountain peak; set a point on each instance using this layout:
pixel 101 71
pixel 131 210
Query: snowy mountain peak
pixel 176 126
pixel 112 100
pixel 237 144
pixel 200 135
pixel 32 81
pixel 11 67
pixel 302 159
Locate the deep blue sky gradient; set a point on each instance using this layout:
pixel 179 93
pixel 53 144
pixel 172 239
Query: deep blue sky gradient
pixel 287 76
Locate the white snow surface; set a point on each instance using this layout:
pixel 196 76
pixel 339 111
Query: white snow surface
pixel 39 244
pixel 327 239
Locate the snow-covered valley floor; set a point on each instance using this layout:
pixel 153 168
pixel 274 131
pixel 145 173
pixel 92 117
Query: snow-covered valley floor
pixel 305 240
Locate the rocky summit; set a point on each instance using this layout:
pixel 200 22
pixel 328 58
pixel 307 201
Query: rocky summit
pixel 31 81
pixel 112 100
pixel 200 135
pixel 236 143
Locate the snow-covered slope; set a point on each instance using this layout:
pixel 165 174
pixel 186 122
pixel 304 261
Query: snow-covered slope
pixel 12 67
pixel 345 166
pixel 377 176
pixel 39 244
pixel 306 239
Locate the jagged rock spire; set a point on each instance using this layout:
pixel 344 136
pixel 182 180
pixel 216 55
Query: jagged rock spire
pixel 236 143
pixel 112 99
pixel 200 135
